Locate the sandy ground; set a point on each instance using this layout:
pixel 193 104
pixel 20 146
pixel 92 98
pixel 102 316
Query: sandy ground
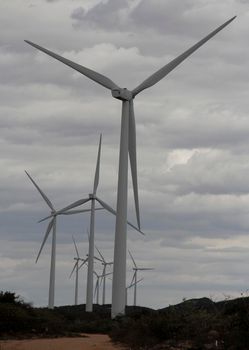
pixel 90 342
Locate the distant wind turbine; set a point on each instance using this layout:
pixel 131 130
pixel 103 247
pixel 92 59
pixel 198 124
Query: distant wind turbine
pixel 134 278
pixel 51 226
pixel 99 279
pixel 76 269
pixel 105 265
pixel 130 286
pixel 127 145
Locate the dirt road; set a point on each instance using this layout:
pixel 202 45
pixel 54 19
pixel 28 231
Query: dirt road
pixel 90 342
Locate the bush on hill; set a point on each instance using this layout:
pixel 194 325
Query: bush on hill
pixel 197 322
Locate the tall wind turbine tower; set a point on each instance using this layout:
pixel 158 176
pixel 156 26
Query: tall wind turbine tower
pixel 127 145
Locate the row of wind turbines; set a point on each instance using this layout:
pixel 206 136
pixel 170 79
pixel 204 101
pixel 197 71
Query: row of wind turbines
pixel 101 277
pixel 68 211
pixel 127 146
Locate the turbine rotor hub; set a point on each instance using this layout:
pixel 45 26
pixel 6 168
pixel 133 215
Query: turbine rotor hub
pixel 122 94
pixel 92 196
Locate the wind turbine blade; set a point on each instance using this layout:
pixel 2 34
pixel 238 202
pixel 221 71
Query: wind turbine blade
pixel 135 228
pixel 133 158
pixel 41 192
pixel 145 268
pixel 103 259
pixel 97 77
pixel 106 206
pixel 71 212
pixel 73 205
pixel 46 218
pixel 96 258
pixel 133 278
pixel 106 274
pixel 84 262
pixel 112 211
pixel 132 259
pixel 73 269
pixel 141 279
pixel 75 247
pixel 133 284
pixel 102 277
pixel 96 286
pixel 50 225
pixel 161 73
pixel 101 280
pixel 96 177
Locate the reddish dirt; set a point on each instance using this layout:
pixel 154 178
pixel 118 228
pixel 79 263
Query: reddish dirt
pixel 89 342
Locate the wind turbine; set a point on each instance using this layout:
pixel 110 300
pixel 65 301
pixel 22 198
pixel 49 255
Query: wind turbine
pixel 105 265
pixel 134 278
pixel 51 226
pixel 127 145
pixel 130 286
pixel 98 283
pixel 76 269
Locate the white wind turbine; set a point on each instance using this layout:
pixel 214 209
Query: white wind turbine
pixel 99 279
pixel 134 280
pixel 132 284
pixel 51 226
pixel 127 145
pixel 76 269
pixel 93 198
pixel 105 265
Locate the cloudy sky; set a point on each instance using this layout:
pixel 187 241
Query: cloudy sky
pixel 192 142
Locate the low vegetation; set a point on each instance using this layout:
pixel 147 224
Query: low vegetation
pixel 20 320
pixel 192 324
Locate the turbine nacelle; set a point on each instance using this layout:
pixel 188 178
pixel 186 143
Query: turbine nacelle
pixel 92 196
pixel 79 259
pixel 122 94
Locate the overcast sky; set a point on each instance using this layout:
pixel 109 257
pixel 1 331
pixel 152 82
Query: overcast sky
pixel 192 143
